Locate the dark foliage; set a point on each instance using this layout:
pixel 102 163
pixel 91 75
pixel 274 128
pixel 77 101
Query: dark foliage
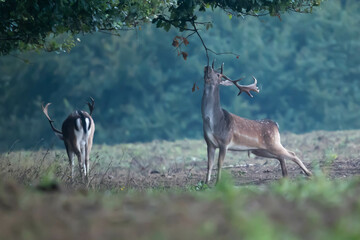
pixel 28 24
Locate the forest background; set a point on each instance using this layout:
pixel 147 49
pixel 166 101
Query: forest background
pixel 307 66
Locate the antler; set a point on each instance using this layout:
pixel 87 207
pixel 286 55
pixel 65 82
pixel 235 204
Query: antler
pixel 242 88
pixel 45 110
pixel 91 105
pixel 245 88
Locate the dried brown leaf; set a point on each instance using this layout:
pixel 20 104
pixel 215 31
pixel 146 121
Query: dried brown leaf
pixel 185 55
pixel 175 43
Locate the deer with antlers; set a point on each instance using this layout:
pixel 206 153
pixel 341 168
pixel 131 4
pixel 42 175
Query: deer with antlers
pixel 77 132
pixel 227 131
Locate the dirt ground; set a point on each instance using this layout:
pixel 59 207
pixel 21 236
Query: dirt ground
pixel 335 154
pixel 247 174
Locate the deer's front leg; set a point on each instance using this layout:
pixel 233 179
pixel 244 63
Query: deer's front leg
pixel 211 155
pixel 222 153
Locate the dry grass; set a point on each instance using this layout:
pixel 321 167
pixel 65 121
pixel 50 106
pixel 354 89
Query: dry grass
pixel 151 191
pixel 162 164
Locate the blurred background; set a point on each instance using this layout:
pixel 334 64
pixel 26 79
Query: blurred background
pixel 307 66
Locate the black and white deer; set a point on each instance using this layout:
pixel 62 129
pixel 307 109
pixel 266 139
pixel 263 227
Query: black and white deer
pixel 227 131
pixel 77 132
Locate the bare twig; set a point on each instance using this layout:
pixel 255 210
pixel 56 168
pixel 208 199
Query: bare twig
pixel 42 162
pixel 102 178
pixel 13 145
pixel 91 170
pixel 128 175
pixel 202 41
pixel 207 49
pixel 189 173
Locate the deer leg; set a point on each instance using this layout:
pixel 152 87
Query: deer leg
pixel 295 159
pixel 78 155
pixel 211 155
pixel 282 152
pixel 71 161
pixel 88 150
pixel 83 163
pixel 86 163
pixel 283 167
pixel 266 154
pixel 83 159
pixel 222 153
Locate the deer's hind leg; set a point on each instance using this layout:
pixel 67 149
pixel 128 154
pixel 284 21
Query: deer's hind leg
pixel 71 154
pixel 297 160
pixel 283 153
pixel 79 157
pixel 71 161
pixel 266 154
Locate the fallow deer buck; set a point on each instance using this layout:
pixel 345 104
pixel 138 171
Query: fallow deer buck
pixel 227 131
pixel 77 132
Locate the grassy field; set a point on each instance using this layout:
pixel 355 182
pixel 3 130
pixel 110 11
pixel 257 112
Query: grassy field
pixel 154 191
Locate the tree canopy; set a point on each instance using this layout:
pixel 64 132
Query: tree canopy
pixel 51 25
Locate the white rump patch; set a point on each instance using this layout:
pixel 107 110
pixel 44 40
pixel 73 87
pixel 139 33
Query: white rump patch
pixel 78 125
pixel 79 135
pixel 87 122
pixel 81 141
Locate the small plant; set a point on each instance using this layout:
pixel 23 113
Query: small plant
pixel 49 182
pixel 330 157
pixel 200 186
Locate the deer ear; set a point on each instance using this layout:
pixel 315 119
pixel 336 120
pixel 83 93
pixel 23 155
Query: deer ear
pixel 226 83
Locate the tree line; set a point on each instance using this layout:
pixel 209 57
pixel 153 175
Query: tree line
pixel 306 65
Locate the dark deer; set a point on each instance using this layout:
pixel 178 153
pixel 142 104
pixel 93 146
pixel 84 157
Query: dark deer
pixel 77 132
pixel 227 131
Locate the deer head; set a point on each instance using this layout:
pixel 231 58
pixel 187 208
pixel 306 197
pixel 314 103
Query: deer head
pixel 216 77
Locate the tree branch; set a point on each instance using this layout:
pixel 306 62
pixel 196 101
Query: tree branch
pixel 202 41
pixel 207 50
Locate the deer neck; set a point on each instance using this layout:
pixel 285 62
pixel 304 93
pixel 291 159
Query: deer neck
pixel 210 107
